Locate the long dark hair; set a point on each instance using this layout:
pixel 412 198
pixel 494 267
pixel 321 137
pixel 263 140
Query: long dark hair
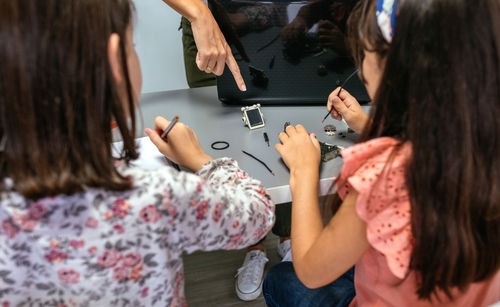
pixel 440 91
pixel 58 96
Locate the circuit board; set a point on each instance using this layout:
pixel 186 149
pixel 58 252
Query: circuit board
pixel 328 151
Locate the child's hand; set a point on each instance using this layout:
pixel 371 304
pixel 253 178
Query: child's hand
pixel 299 150
pixel 182 145
pixel 348 107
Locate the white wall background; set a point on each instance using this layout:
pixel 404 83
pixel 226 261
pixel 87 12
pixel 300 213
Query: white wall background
pixel 159 46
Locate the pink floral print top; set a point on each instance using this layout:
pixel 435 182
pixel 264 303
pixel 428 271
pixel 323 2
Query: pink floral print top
pixel 102 248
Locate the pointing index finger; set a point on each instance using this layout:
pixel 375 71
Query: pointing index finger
pixel 235 70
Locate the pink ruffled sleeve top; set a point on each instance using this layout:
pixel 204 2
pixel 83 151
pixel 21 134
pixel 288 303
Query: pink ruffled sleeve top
pixel 382 275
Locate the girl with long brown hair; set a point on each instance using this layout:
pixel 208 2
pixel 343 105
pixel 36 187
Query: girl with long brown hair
pixel 420 211
pixel 78 227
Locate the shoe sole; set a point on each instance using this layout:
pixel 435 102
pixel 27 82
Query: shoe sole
pixel 248 296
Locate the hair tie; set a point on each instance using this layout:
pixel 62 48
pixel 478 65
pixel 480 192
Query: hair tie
pixel 219 145
pixel 386 17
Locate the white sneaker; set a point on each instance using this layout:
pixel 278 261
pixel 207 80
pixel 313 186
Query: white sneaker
pixel 284 247
pixel 249 282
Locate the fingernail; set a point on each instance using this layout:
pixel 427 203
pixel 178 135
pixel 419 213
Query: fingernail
pixel 335 99
pixel 243 87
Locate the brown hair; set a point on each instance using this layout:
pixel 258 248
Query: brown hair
pixel 58 96
pixel 440 92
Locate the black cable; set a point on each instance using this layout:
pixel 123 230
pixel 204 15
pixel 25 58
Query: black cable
pixel 248 154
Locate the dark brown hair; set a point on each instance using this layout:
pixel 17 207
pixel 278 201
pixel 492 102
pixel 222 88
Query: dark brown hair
pixel 440 91
pixel 58 96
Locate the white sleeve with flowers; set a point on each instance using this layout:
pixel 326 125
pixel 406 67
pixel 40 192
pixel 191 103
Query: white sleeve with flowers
pixel 102 248
pixel 219 207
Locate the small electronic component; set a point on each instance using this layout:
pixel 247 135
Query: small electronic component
pixel 330 130
pixel 271 64
pixel 259 77
pixel 253 117
pixel 323 51
pixel 321 70
pixel 329 151
pixel 266 139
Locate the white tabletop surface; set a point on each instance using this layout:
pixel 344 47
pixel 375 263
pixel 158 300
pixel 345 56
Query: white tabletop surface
pixel 214 121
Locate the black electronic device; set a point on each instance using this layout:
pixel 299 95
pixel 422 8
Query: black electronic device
pixel 281 54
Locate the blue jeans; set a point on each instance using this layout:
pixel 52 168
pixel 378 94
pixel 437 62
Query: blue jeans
pixel 282 288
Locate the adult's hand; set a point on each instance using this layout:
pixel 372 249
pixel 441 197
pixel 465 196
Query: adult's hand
pixel 295 32
pixel 213 51
pixel 330 36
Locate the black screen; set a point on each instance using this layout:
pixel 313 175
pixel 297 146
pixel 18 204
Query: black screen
pixel 254 117
pixel 289 52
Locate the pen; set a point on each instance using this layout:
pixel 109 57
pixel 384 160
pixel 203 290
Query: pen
pixel 338 94
pixel 172 123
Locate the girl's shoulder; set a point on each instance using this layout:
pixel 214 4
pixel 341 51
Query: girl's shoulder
pixel 376 170
pixel 383 152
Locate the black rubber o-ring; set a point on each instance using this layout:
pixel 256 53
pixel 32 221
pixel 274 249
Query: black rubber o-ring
pixel 220 143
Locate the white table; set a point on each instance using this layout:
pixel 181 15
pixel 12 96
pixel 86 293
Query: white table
pixel 214 121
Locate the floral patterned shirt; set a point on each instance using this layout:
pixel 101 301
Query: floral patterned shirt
pixel 103 248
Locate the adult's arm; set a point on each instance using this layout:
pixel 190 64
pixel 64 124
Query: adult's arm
pixel 213 51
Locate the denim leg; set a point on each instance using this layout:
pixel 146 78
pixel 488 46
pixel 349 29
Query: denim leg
pixel 282 288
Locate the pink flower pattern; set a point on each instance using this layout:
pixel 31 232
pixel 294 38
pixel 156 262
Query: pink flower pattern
pixel 68 276
pixel 76 243
pixel 9 229
pixel 119 228
pixel 150 214
pixel 126 245
pixel 121 273
pixel 92 222
pixel 202 210
pixel 132 259
pixel 37 211
pixel 217 212
pixel 121 208
pixel 24 221
pixel 56 256
pixel 109 258
pixel 144 292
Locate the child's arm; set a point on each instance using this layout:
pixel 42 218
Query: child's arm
pixel 219 207
pixel 320 254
